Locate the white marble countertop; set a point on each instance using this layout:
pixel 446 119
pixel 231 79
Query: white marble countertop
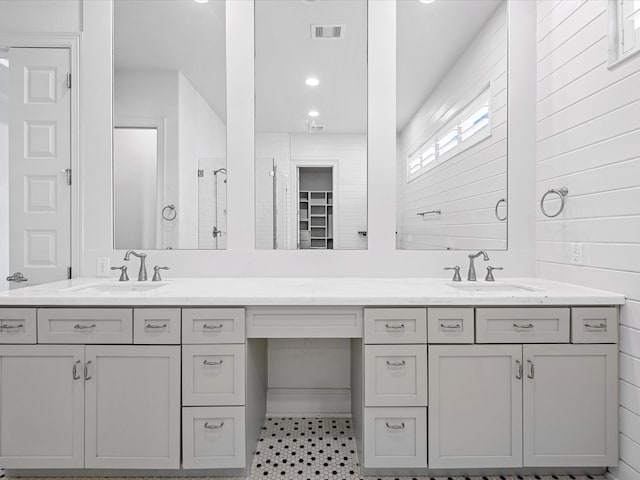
pixel 306 291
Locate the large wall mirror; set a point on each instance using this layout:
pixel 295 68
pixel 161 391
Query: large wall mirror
pixel 311 124
pixel 452 124
pixel 169 138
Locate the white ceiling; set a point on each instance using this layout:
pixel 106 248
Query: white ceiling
pixel 286 55
pixel 430 38
pixel 190 37
pixel 175 35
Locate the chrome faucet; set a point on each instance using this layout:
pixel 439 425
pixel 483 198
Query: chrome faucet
pixel 471 276
pixel 142 274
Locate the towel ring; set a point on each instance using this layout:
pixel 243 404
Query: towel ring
pixel 501 219
pixel 561 193
pixel 169 213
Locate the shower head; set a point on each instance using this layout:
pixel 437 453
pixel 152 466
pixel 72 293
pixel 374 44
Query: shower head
pixel 220 170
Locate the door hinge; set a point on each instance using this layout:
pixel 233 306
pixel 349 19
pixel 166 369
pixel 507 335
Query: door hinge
pixel 200 173
pixel 69 273
pixel 68 80
pixel 67 171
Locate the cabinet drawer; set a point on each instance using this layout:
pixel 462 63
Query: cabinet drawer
pixel 153 326
pixel 395 437
pixel 85 325
pixel 395 325
pixel 594 325
pixel 213 325
pixel 17 325
pixel 450 325
pixel 213 375
pixel 304 322
pixel 522 325
pixel 213 437
pixel 396 375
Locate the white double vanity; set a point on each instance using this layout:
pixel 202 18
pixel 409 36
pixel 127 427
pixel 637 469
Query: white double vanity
pixel 118 378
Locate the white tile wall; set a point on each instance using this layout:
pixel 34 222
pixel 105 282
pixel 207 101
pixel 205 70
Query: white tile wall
pixel 588 140
pixel 466 187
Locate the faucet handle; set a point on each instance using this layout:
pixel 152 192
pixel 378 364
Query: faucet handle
pixel 156 273
pixel 490 269
pixel 456 275
pixel 123 273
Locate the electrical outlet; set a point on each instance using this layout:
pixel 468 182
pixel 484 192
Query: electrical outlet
pixel 103 266
pixel 576 253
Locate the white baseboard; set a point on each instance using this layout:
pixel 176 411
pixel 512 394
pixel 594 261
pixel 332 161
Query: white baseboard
pixel 311 402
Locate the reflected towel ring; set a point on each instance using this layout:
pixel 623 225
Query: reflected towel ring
pixel 169 213
pixel 561 193
pixel 501 219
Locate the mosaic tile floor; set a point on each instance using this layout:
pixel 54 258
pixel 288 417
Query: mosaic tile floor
pixel 320 449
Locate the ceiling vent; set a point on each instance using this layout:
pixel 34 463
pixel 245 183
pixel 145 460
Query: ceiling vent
pixel 313 128
pixel 327 32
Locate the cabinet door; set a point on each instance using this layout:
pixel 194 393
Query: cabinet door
pixel 132 407
pixel 475 406
pixel 41 406
pixel 570 405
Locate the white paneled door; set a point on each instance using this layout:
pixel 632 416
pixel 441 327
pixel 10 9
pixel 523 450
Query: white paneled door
pixel 39 164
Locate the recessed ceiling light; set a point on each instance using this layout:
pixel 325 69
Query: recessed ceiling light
pixel 422 1
pixel 312 82
pixel 201 1
pixel 313 113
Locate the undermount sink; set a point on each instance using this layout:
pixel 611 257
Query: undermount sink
pixel 492 287
pixel 123 287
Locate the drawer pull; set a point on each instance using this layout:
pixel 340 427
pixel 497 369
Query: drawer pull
pixel 519 372
pixel 209 363
pixel 152 326
pixel 211 327
pixel 394 327
pixel 10 327
pixel 210 426
pixel 531 373
pixel 75 370
pixel 527 326
pixel 599 326
pixel 395 427
pixel 77 326
pixel 396 364
pixel 457 326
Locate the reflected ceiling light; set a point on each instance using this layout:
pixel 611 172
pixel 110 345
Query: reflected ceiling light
pixel 312 82
pixel 313 113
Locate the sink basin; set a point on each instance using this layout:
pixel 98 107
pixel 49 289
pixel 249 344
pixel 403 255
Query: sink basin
pixel 492 287
pixel 123 287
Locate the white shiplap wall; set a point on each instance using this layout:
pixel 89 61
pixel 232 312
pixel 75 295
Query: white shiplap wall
pixel 588 120
pixel 467 186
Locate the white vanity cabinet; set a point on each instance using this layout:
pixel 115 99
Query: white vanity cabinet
pixel 41 406
pixel 132 413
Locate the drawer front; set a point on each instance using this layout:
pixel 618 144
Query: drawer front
pixel 213 375
pixel 156 326
pixel 213 325
pixel 395 375
pixel 85 325
pixel 395 437
pixel 395 325
pixel 213 437
pixel 304 322
pixel 450 325
pixel 17 325
pixel 594 325
pixel 522 325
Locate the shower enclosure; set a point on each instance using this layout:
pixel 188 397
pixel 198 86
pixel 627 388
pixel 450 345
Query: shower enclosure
pixel 212 203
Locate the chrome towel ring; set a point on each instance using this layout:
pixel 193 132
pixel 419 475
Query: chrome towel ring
pixel 501 219
pixel 169 213
pixel 561 193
